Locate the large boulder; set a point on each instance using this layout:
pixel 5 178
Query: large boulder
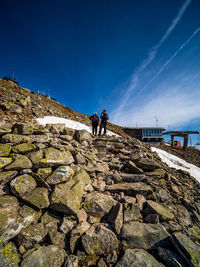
pixel 130 189
pixel 60 175
pixel 98 204
pixel 37 197
pixel 142 235
pixel 189 248
pixel 138 258
pixel 67 197
pixel 26 216
pixel 21 162
pixel 22 184
pixel 99 240
pixel 50 256
pixel 55 157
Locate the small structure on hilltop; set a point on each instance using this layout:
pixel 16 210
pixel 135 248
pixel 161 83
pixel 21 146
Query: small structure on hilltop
pixel 184 134
pixel 152 135
pixel 8 78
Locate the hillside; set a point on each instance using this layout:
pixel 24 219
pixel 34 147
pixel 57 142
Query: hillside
pixel 19 104
pixel 69 199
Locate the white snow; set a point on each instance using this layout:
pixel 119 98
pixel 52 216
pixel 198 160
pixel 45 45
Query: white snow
pixel 69 123
pixel 178 163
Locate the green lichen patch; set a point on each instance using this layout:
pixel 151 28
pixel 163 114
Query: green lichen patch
pixel 9 256
pixel 5 150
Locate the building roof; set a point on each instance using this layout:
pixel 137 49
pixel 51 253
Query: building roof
pixel 141 128
pixel 181 132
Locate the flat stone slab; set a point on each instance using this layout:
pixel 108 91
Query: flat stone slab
pixel 130 189
pixel 55 157
pixel 143 235
pixel 164 213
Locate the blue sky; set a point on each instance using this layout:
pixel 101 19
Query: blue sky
pixel 140 60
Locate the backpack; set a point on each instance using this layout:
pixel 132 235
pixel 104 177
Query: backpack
pixel 95 118
pixel 105 117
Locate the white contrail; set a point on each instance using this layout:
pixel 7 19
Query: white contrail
pixel 151 55
pixel 170 59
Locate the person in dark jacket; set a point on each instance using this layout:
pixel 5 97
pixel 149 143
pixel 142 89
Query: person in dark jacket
pixel 104 119
pixel 95 121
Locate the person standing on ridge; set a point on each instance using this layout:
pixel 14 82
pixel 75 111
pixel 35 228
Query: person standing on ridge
pixel 104 119
pixel 95 121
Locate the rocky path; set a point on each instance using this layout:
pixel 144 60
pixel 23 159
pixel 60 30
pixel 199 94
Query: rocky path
pixel 69 199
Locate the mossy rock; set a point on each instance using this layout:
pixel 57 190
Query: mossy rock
pixel 8 212
pixel 16 138
pixel 44 172
pixel 38 197
pixel 23 128
pixel 48 218
pixel 9 257
pixel 22 184
pixel 60 175
pixel 23 148
pixel 4 161
pixel 32 235
pixel 7 176
pixel 36 156
pixel 49 256
pixel 190 249
pixel 21 162
pixel 55 157
pixel 5 150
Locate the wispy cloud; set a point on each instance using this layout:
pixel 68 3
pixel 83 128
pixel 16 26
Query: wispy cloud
pixel 175 106
pixel 151 55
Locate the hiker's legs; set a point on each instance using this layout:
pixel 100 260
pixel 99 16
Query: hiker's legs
pixel 95 128
pixel 100 129
pixel 104 126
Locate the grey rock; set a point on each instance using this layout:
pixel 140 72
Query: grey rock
pixel 142 235
pixel 99 240
pixel 50 256
pixel 138 258
pixel 131 189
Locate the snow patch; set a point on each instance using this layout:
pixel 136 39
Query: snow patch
pixel 178 163
pixel 68 123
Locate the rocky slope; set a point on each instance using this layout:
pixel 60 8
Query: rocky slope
pixel 69 199
pixel 18 104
